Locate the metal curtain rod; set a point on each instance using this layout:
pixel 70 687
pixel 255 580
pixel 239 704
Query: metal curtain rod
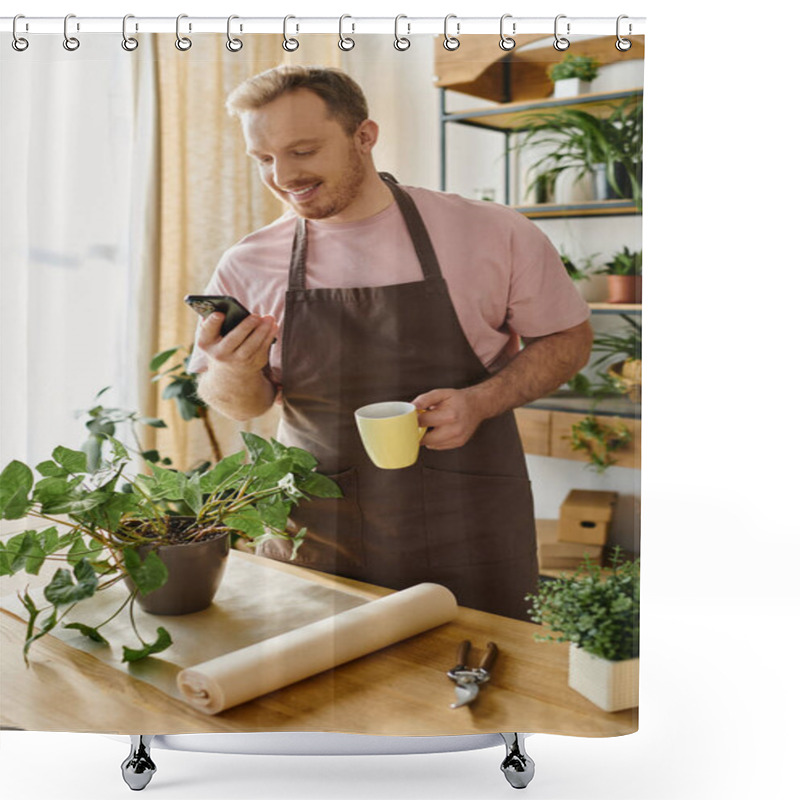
pixel 574 26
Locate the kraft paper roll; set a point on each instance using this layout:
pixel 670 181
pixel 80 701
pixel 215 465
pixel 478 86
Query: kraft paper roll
pixel 242 675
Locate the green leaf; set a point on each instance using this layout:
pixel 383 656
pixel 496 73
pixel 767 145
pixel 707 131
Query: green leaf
pixel 320 486
pixel 153 422
pixel 159 359
pixel 46 627
pixel 18 548
pixel 152 456
pixel 93 447
pixel 170 485
pixel 162 642
pixel 193 494
pixel 274 514
pixel 49 469
pixel 247 520
pixel 16 481
pixel 260 449
pixel 174 389
pixel 89 632
pixel 74 461
pixel 5 562
pixel 148 575
pixel 62 590
pixel 302 459
pixel 80 550
pixel 297 541
pixel 187 407
pixel 215 479
pixel 271 473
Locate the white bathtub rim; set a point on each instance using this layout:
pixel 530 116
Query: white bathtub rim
pixel 319 743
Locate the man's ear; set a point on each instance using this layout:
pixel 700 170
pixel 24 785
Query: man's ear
pixel 366 136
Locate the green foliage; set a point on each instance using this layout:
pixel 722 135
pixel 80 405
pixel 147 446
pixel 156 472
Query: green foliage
pixel 109 514
pixel 624 262
pixel 578 273
pixel 583 67
pixel 598 612
pixel 181 386
pixel 615 346
pixel 599 440
pixel 577 140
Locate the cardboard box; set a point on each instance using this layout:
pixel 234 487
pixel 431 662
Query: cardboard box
pixel 554 554
pixel 585 516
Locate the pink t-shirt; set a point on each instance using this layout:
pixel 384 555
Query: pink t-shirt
pixel 503 274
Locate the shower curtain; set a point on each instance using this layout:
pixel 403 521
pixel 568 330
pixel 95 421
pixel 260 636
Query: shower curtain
pixel 126 186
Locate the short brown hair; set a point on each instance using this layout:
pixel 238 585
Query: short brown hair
pixel 342 95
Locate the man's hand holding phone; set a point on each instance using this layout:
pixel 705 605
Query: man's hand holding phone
pixel 245 349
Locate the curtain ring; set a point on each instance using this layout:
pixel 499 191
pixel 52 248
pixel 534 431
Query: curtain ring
pixel 234 45
pixel 559 42
pixel 18 42
pixel 181 42
pixel 129 43
pixel 506 42
pixel 345 42
pixel 289 44
pixel 70 42
pixel 400 42
pixel 623 45
pixel 451 42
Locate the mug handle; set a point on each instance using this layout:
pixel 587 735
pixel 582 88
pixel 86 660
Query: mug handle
pixel 422 431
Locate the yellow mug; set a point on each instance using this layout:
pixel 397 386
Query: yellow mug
pixel 390 433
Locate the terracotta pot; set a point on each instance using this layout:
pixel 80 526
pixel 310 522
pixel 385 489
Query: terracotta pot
pixel 624 288
pixel 195 571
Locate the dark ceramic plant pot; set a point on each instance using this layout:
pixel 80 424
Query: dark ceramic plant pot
pixel 195 571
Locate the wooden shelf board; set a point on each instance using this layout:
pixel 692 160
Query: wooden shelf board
pixel 508 116
pixel 590 208
pixel 616 308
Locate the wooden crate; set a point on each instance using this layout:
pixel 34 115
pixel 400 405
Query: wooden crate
pixel 585 516
pixel 554 554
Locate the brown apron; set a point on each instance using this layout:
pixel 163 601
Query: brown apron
pixel 462 518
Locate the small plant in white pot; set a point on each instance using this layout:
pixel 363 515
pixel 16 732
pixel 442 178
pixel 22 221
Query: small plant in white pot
pixel 599 615
pixel 573 75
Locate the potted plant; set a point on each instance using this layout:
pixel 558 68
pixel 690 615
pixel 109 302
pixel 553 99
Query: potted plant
pixel 624 272
pixel 627 371
pixel 573 75
pixel 607 148
pixel 590 285
pixel 598 615
pixel 110 526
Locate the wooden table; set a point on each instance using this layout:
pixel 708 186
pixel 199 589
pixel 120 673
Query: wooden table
pixel 400 690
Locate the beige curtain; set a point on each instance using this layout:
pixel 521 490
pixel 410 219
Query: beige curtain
pixel 209 196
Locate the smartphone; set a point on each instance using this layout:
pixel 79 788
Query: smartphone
pixel 205 304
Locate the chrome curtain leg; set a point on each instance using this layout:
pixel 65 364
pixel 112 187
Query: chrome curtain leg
pixel 517 766
pixel 138 768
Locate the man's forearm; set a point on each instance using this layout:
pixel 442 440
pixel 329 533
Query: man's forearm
pixel 237 395
pixel 536 371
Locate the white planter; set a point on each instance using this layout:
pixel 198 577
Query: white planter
pixel 611 685
pixel 570 87
pixel 593 289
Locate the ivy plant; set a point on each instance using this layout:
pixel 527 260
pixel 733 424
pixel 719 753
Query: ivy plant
pixel 99 516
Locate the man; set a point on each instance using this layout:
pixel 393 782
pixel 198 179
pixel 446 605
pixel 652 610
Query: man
pixel 374 292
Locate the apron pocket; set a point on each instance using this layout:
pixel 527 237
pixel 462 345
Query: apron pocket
pixel 477 519
pixel 334 538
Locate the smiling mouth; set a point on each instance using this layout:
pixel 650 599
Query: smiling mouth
pixel 305 193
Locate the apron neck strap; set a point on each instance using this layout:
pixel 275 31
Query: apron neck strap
pixel 416 229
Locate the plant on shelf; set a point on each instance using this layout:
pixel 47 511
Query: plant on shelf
pixel 598 614
pixel 609 148
pixel 624 273
pixel 582 67
pixel 578 273
pixel 599 441
pixel 110 527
